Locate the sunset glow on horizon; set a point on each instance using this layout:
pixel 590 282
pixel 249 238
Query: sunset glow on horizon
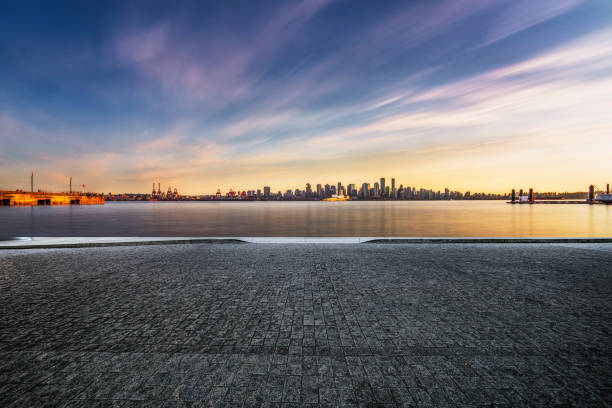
pixel 477 95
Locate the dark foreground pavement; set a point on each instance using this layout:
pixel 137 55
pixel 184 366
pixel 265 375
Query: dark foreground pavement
pixel 307 325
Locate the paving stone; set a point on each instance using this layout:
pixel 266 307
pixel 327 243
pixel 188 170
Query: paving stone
pixel 307 326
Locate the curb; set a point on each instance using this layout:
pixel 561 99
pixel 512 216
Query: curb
pixel 134 243
pixel 490 241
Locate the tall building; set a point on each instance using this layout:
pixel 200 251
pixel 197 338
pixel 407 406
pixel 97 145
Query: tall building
pixel 376 189
pixel 339 188
pixel 393 191
pixel 382 185
pixel 267 192
pixel 365 189
pixel 319 190
pixel 350 190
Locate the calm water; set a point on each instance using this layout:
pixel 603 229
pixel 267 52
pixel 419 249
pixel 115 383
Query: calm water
pixel 309 219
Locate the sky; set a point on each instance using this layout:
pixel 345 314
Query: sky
pixel 479 95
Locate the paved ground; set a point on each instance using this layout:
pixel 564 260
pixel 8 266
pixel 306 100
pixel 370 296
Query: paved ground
pixel 307 325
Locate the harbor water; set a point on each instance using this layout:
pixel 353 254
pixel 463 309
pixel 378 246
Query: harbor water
pixel 309 219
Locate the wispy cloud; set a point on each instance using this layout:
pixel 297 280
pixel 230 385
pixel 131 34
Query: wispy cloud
pixel 519 15
pixel 212 69
pixel 420 22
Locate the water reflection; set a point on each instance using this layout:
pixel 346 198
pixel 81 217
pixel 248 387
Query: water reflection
pixel 364 219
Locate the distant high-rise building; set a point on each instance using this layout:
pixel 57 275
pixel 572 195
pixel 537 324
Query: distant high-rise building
pixel 327 190
pixel 319 190
pixel 365 189
pixel 339 188
pixel 350 190
pixel 267 191
pixel 376 189
pixel 393 191
pixel 382 185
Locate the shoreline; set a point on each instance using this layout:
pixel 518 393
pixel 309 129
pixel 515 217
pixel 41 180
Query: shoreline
pixel 89 242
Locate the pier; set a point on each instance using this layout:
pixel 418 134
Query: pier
pixel 22 198
pixel 530 198
pixel 556 202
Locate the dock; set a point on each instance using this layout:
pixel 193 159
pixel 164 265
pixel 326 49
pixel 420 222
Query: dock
pixel 530 198
pixel 555 202
pixel 23 198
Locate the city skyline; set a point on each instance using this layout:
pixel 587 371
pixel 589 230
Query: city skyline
pixel 382 187
pixel 479 95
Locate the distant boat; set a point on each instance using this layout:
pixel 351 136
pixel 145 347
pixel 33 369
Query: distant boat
pixel 336 198
pixel 604 198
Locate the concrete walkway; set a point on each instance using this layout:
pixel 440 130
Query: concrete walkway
pixel 82 242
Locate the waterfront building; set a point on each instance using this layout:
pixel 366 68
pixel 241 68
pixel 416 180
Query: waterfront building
pixel 267 191
pixel 382 185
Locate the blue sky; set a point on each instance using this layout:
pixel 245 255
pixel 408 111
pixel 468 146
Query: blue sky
pixel 465 94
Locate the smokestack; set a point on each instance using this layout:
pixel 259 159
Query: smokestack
pixel 531 196
pixel 70 184
pixel 32 182
pixel 513 195
pixel 591 192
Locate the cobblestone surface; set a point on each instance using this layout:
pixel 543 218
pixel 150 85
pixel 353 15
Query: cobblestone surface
pixel 307 325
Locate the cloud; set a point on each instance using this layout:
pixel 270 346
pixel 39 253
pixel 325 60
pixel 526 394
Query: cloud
pixel 421 22
pixel 212 69
pixel 562 90
pixel 519 15
pixel 142 45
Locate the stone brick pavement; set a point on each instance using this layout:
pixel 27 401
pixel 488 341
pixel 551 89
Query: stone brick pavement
pixel 307 325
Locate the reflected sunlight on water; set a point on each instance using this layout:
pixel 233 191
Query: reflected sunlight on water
pixel 310 219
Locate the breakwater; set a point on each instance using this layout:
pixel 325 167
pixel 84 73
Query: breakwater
pixel 17 198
